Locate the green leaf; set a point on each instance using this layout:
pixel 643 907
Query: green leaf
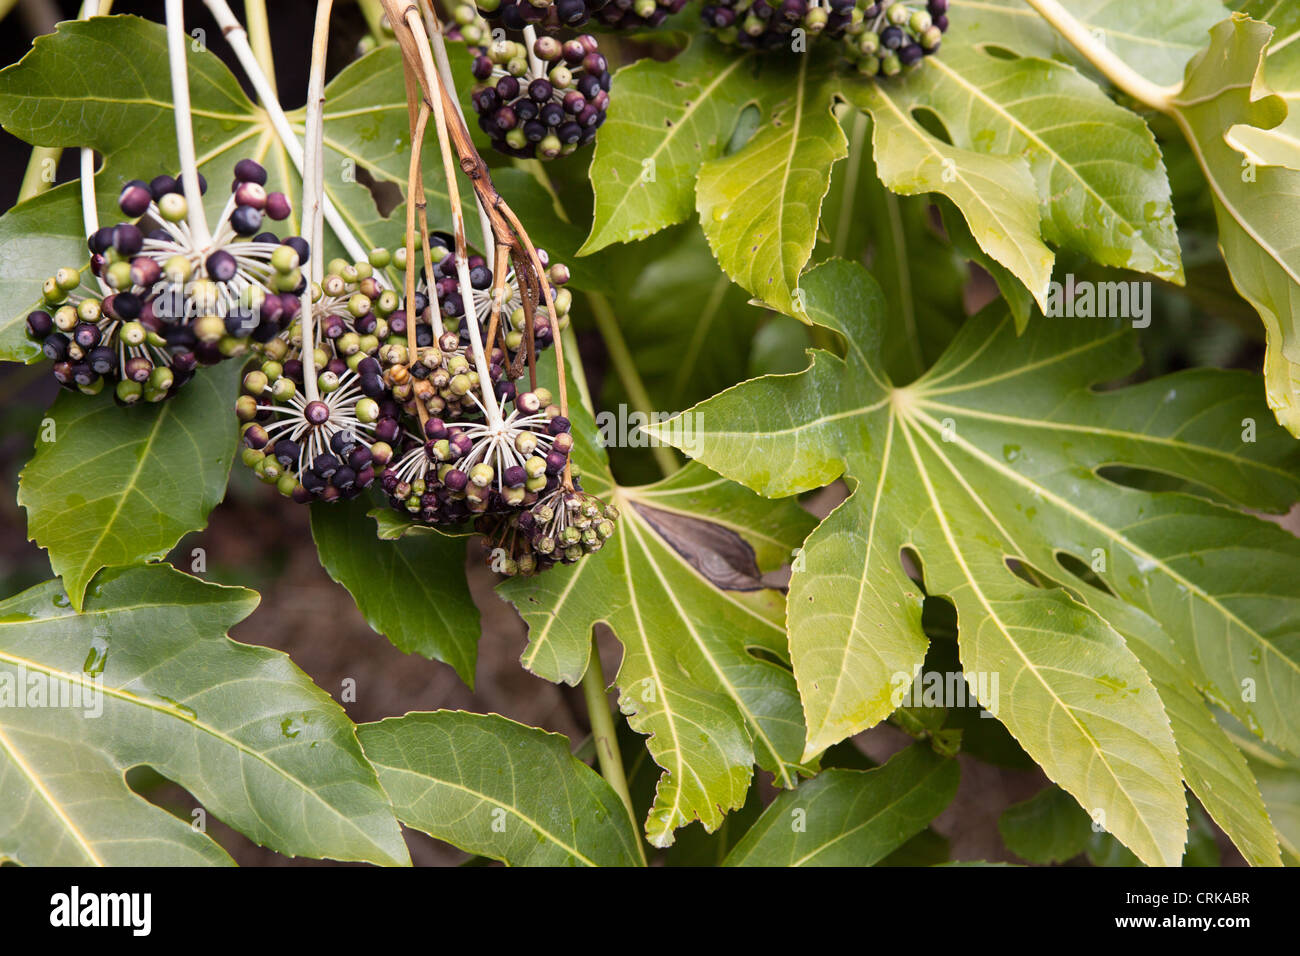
pixel 851 817
pixel 35 237
pixel 667 120
pixel 111 486
pixel 996 193
pixel 1259 230
pixel 1279 781
pixel 760 205
pixel 1049 827
pixel 411 589
pixel 499 789
pixel 680 585
pixel 894 236
pixel 1156 39
pixel 104 83
pixel 241 728
pixel 1279 146
pixel 993 454
pixel 1106 196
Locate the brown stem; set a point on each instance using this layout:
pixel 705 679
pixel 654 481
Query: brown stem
pixel 421 113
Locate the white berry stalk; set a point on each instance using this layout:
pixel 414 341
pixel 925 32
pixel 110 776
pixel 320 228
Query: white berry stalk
pixel 176 41
pixel 312 189
pixel 237 37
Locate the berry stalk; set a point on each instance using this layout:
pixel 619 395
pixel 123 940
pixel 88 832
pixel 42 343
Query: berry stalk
pixel 89 210
pixel 605 737
pixel 312 177
pixel 419 108
pixel 235 35
pixel 176 40
pixel 435 94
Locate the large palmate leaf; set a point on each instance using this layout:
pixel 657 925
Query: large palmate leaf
pixel 1259 230
pixel 1279 146
pixel 499 789
pixel 104 83
pixel 996 192
pixel 680 585
pixel 1105 196
pixel 409 589
pixel 851 817
pixel 760 205
pixel 667 120
pixel 1156 39
pixel 111 486
pixel 994 454
pixel 895 236
pixel 146 676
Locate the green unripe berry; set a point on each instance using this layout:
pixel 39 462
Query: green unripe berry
pixel 286 484
pixel 348 344
pixel 129 392
pixel 160 379
pixel 89 310
pixel 178 269
pixel 367 410
pixel 380 258
pixel 94 388
pixel 134 333
pixel 246 408
pixel 920 22
pixel 251 456
pixel 283 389
pixel 931 38
pixel 399 258
pixel 287 281
pixel 536 483
pixel 173 207
pixel 51 292
pixel 890 64
pixel 66 318
pixel 68 279
pixel 358 305
pixel 328 382
pixel 482 474
pixel 255 382
pixel 272 370
pixel 285 259
pixel 898 14
pixel 210 328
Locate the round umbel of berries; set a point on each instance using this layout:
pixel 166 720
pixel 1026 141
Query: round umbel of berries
pixel 451 298
pixel 546 14
pixel 544 102
pixel 637 14
pixel 881 37
pixel 351 308
pixel 326 449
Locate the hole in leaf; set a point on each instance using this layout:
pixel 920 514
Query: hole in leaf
pixel 387 195
pixel 929 121
pixel 912 566
pixel 998 52
pixel 746 126
pixel 1079 569
pixel 1027 573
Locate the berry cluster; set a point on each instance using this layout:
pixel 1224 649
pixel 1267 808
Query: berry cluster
pixel 881 37
pixel 327 448
pixel 637 14
pixel 560 528
pixel 156 305
pixel 548 14
pixel 544 102
pixel 513 319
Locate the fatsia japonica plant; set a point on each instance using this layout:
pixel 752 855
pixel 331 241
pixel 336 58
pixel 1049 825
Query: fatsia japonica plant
pixel 901 395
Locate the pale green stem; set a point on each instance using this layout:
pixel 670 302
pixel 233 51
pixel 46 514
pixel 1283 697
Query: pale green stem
pixel 374 14
pixel 1099 55
pixel 259 38
pixel 606 738
pixel 624 366
pixel 176 59
pixel 34 180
